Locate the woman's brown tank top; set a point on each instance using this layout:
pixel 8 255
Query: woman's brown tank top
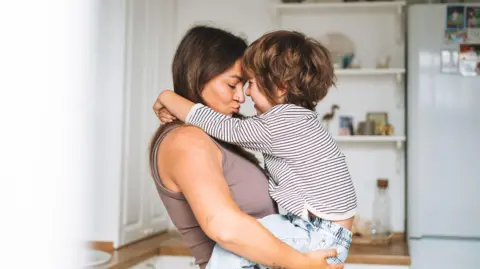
pixel 248 186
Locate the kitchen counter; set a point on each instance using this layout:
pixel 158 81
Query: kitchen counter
pixel 170 244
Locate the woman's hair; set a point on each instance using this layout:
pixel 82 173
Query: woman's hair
pixel 203 53
pixel 292 61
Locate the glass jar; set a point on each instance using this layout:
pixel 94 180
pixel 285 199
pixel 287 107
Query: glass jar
pixel 381 210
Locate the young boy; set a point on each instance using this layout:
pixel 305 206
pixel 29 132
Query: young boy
pixel 288 74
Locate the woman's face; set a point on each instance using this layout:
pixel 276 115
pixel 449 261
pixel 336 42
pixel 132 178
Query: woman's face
pixel 224 93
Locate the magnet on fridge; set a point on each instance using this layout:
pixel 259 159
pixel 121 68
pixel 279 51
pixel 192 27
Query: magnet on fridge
pixel 449 61
pixel 455 31
pixel 455 17
pixel 469 59
pixel 472 23
pixel 472 17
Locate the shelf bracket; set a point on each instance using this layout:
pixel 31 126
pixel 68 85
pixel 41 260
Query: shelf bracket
pixel 399 78
pixel 399 145
pixel 399 157
pixel 399 89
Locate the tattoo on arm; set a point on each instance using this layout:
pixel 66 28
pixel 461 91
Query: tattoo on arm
pixel 276 266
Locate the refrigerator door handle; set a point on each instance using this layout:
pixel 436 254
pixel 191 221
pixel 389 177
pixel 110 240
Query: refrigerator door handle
pixel 443 237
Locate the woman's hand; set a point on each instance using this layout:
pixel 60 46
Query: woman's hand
pixel 162 113
pixel 318 259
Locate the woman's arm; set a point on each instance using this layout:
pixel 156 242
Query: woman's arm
pixel 194 163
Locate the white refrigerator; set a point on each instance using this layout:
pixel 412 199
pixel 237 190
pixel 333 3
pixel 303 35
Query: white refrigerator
pixel 443 150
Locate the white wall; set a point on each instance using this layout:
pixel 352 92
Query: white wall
pixel 375 36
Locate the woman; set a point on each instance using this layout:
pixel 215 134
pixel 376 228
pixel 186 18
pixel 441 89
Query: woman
pixel 214 192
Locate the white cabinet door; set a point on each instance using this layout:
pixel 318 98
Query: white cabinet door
pixel 142 212
pixel 134 153
pixel 176 262
pixel 156 216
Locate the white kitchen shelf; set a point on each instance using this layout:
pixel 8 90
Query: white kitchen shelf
pixel 371 139
pixel 392 5
pixel 370 71
pixel 397 72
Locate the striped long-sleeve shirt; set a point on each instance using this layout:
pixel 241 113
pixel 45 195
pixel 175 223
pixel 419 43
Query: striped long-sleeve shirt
pixel 308 172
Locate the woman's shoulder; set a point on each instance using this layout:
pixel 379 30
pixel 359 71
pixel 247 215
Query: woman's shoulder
pixel 186 133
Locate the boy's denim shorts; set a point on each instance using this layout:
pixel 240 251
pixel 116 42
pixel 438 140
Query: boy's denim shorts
pixel 304 236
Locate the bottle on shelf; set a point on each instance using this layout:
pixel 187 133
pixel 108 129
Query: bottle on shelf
pixel 381 210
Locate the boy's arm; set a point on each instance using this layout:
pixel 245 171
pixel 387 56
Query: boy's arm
pixel 175 104
pixel 251 133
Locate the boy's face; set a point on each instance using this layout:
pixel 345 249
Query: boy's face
pixel 261 102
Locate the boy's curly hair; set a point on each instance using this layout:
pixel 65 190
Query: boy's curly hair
pixel 291 61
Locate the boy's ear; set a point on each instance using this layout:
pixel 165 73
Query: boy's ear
pixel 281 92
